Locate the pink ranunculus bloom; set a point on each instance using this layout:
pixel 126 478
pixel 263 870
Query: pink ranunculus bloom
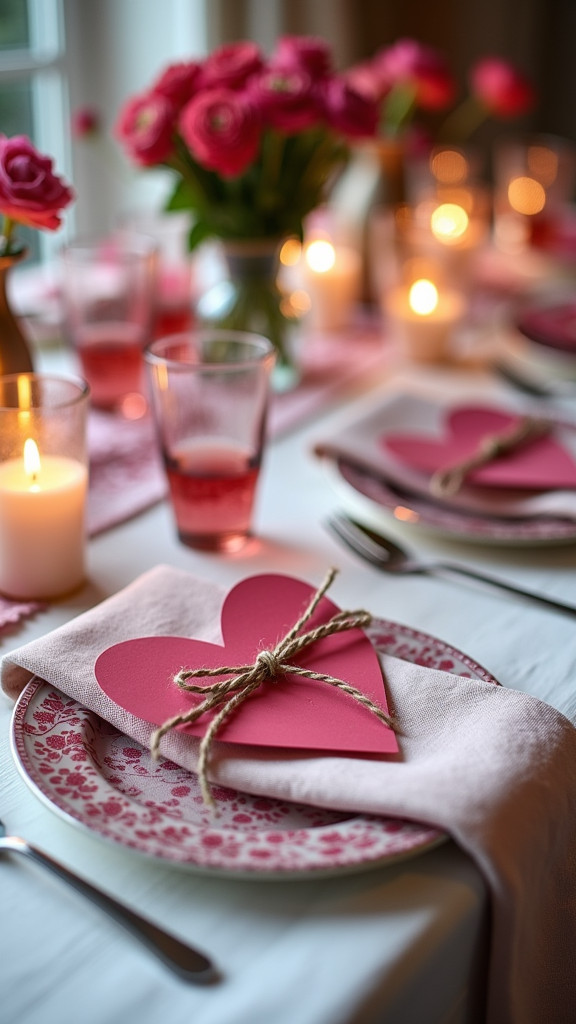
pixel 288 100
pixel 365 78
pixel 145 128
pixel 30 192
pixel 232 65
pixel 308 52
pixel 222 130
pixel 419 67
pixel 178 82
pixel 501 88
pixel 85 121
pixel 349 111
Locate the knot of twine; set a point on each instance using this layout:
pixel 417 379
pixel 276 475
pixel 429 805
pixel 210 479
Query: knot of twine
pixel 268 666
pixel 446 482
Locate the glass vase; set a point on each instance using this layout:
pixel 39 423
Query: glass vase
pixel 250 299
pixel 15 354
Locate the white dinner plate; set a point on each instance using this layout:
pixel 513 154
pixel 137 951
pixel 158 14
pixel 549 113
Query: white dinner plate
pixel 99 779
pixel 376 502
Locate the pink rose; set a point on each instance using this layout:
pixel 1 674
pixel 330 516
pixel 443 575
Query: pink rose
pixel 222 130
pixel 287 100
pixel 500 88
pixel 232 65
pixel 307 52
pixel 85 121
pixel 178 82
pixel 30 192
pixel 145 128
pixel 349 111
pixel 418 67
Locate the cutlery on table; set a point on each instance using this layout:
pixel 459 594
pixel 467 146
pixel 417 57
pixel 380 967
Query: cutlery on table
pixel 187 962
pixel 390 557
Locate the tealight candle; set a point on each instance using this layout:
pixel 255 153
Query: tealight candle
pixel 43 488
pixel 423 318
pixel 330 276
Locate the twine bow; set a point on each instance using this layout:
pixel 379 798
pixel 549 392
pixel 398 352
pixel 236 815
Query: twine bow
pixel 268 666
pixel 448 481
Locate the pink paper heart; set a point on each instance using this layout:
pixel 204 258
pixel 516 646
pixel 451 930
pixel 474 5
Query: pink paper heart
pixel 540 464
pixel 292 712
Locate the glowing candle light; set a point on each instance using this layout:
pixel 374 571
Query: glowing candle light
pixel 42 500
pixel 330 277
pixel 449 222
pixel 422 317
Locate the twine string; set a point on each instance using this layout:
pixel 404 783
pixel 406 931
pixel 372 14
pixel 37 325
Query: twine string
pixel 229 694
pixel 447 482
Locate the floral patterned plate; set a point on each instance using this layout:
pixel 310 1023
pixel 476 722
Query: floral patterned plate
pixel 100 779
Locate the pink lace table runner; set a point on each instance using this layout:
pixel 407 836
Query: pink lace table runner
pixel 126 474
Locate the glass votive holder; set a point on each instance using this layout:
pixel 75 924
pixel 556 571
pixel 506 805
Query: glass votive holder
pixel 422 311
pixel 209 392
pixel 534 180
pixel 330 279
pixel 43 485
pixel 108 287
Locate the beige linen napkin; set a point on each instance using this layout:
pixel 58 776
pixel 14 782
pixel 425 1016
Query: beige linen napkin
pixel 493 767
pixel 359 441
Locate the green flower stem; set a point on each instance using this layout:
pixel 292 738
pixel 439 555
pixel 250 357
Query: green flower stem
pixel 8 226
pixel 463 121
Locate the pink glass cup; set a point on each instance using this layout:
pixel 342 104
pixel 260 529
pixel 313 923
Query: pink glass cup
pixel 107 290
pixel 209 394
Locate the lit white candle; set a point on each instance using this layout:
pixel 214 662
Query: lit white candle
pixel 423 318
pixel 330 276
pixel 42 500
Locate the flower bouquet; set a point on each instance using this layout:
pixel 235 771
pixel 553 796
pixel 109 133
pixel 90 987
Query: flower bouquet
pixel 254 144
pixel 33 195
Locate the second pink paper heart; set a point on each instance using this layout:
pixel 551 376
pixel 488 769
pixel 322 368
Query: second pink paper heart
pixel 540 464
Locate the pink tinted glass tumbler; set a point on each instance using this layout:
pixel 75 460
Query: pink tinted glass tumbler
pixel 108 288
pixel 209 392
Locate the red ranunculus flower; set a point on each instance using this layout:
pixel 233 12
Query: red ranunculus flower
pixel 308 52
pixel 30 192
pixel 145 127
pixel 232 65
pixel 178 82
pixel 222 130
pixel 288 100
pixel 418 67
pixel 501 88
pixel 350 111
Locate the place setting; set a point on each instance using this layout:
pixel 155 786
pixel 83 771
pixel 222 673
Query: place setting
pixel 496 472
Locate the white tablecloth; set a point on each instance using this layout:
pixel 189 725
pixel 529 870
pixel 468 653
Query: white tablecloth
pixel 400 944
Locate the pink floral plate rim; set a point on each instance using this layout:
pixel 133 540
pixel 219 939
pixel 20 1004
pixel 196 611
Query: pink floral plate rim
pixel 371 496
pixel 99 779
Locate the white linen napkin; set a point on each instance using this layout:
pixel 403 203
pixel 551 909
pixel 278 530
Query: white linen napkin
pixel 359 442
pixel 493 767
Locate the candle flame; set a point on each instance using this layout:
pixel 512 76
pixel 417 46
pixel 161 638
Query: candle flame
pixel 31 459
pixel 526 195
pixel 423 297
pixel 449 222
pixel 290 252
pixel 320 256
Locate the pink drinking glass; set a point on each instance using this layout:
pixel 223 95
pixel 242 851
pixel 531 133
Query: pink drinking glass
pixel 209 394
pixel 107 292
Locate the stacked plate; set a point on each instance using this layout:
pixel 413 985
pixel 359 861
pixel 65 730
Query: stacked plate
pixel 382 464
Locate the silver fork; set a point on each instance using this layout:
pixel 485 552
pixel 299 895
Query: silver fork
pixel 187 962
pixel 390 557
